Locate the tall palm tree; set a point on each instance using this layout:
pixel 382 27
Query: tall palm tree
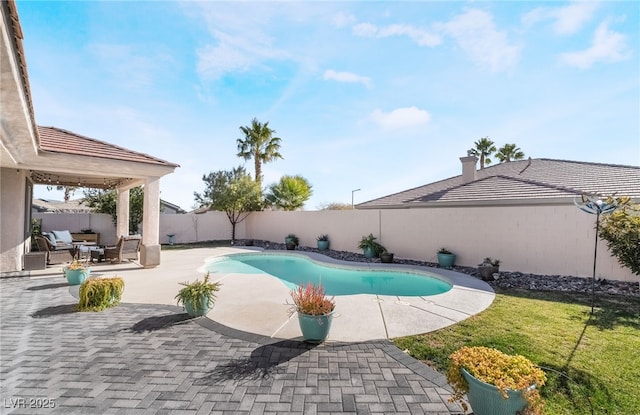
pixel 483 149
pixel 509 152
pixel 259 144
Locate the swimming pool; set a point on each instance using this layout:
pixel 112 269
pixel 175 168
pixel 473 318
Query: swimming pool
pixel 295 270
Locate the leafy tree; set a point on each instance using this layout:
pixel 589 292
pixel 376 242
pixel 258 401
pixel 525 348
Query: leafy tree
pixel 259 144
pixel 335 206
pixel 289 193
pixel 621 230
pixel 232 192
pixel 104 201
pixel 483 149
pixel 509 152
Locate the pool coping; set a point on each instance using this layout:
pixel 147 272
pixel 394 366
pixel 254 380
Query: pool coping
pixel 255 303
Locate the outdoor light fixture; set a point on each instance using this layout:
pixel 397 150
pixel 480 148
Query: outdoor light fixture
pixel 594 205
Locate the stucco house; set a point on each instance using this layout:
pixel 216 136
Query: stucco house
pixel 523 182
pixel 31 154
pixel 522 212
pixel 78 206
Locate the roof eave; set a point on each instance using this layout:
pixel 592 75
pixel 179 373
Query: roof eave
pixel 476 203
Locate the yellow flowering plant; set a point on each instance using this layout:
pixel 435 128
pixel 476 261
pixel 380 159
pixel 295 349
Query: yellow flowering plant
pixel 494 367
pixel 76 265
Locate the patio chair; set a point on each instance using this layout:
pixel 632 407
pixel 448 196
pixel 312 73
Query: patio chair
pixel 126 248
pixel 56 253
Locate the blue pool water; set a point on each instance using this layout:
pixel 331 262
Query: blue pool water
pixel 294 270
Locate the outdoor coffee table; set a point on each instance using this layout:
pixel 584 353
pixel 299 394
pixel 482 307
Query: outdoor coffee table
pixel 77 248
pixel 97 253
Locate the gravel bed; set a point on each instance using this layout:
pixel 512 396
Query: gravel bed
pixel 506 280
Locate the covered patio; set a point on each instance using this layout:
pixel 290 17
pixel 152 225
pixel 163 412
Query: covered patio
pixel 31 155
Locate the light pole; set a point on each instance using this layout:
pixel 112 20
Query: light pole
pixel 352 192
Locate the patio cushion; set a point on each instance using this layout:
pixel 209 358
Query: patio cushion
pixel 63 236
pixel 50 237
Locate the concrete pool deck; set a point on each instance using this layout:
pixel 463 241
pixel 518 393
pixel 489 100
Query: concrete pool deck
pixel 259 304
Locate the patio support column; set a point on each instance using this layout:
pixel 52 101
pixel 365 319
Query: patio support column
pixel 122 222
pixel 150 250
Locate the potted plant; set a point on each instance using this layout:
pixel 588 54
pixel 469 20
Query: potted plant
pixel 291 241
pixel 315 311
pixel 495 382
pixel 99 293
pixel 446 258
pixel 198 297
pixel 76 272
pixel 386 256
pixel 323 242
pixel 488 268
pixel 370 247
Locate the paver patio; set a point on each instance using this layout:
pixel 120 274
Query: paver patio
pixel 153 359
pixel 146 356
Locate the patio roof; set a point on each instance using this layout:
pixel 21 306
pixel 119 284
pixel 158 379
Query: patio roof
pixel 55 156
pixel 56 142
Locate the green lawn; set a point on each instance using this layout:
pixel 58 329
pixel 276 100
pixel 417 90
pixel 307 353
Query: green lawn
pixel 592 362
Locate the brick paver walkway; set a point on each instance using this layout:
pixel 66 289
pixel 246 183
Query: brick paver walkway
pixel 153 359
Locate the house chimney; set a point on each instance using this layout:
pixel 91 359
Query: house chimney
pixel 468 168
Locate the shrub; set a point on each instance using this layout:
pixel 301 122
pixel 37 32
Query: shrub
pixel 99 293
pixel 195 292
pixel 621 230
pixel 499 369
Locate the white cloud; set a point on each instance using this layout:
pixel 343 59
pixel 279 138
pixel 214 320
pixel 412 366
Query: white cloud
pixel 417 35
pixel 242 41
pixel 342 19
pixel 400 117
pixel 567 20
pixel 608 46
pixel 332 75
pixel 477 35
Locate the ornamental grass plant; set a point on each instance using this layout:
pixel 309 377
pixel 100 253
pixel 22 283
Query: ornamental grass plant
pixel 198 292
pixel 96 294
pixel 499 369
pixel 311 300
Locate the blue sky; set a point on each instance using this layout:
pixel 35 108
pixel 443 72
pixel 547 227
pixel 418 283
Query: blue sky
pixel 377 96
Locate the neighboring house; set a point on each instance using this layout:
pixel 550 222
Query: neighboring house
pixel 170 208
pixel 56 206
pixel 525 182
pixel 78 206
pixel 521 212
pixel 30 155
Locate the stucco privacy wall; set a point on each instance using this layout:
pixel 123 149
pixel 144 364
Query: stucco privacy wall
pixel 187 228
pixel 552 240
pixel 75 222
pixel 12 205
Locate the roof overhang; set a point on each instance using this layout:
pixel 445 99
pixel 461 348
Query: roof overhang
pixel 476 203
pixel 54 156
pixel 18 137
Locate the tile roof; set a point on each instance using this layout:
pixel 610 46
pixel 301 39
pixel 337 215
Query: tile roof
pixel 57 140
pixel 525 181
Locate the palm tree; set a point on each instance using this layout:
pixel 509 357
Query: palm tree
pixel 509 152
pixel 290 193
pixel 484 148
pixel 259 144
